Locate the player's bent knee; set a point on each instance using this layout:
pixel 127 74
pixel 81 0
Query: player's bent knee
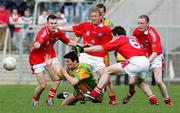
pixel 107 71
pixel 43 85
pixel 159 83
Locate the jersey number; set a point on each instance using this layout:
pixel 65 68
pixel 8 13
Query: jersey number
pixel 134 43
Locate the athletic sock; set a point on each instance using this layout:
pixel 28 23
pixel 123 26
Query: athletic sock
pixel 153 99
pixel 168 101
pixel 51 93
pixel 131 92
pixel 112 98
pixel 96 92
pixel 36 98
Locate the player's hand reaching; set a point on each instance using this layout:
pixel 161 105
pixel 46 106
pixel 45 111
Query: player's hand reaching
pixel 35 45
pixel 31 46
pixel 84 45
pixel 78 49
pixel 63 70
pixel 48 60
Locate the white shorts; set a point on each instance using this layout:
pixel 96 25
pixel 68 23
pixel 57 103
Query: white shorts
pixel 38 68
pixel 94 62
pixel 157 62
pixel 136 66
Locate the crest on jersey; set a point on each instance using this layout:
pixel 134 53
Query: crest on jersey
pixel 43 34
pixel 47 43
pixel 87 33
pixel 93 41
pixel 146 42
pixel 100 35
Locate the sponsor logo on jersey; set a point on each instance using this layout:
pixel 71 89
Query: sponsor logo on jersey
pixel 100 35
pixel 43 34
pixel 87 33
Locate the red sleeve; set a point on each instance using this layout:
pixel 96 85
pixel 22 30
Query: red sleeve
pixel 62 37
pixel 41 36
pixel 79 29
pixel 155 41
pixel 112 45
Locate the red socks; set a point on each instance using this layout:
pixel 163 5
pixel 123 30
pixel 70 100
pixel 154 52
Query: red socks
pixel 168 101
pixel 112 98
pixel 51 93
pixel 153 100
pixel 96 91
pixel 36 98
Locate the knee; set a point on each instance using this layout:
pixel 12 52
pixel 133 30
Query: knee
pixel 159 82
pixel 107 71
pixel 43 85
pixel 132 82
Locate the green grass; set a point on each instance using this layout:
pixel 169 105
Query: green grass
pixel 17 99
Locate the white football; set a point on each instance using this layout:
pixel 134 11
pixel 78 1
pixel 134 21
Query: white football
pixel 9 63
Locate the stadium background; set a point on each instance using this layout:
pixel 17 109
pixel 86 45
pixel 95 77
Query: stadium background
pixel 163 15
pixel 16 89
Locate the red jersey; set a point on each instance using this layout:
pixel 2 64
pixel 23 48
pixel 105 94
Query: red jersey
pixel 95 35
pixel 127 47
pixel 149 40
pixel 4 16
pixel 47 40
pixel 16 18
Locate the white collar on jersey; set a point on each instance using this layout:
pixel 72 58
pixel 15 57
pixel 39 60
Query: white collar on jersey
pixel 146 32
pixel 101 25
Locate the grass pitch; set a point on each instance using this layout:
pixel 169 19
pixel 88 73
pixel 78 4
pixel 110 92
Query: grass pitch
pixel 17 99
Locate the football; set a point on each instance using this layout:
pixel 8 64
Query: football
pixel 9 63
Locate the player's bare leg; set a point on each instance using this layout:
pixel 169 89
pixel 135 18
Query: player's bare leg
pixel 52 93
pixel 54 87
pixel 131 91
pixel 110 90
pixel 146 89
pixel 69 100
pixel 105 78
pixel 40 88
pixel 163 89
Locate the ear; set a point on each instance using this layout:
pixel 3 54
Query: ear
pixel 116 35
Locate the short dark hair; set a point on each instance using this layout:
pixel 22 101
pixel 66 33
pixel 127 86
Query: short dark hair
pixel 100 5
pixel 145 17
pixel 118 30
pixel 51 17
pixel 72 55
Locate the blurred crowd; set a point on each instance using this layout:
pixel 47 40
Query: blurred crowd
pixel 18 16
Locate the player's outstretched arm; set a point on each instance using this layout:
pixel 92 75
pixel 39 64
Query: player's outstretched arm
pixel 72 80
pixel 66 28
pixel 35 45
pixel 82 49
pixel 94 49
